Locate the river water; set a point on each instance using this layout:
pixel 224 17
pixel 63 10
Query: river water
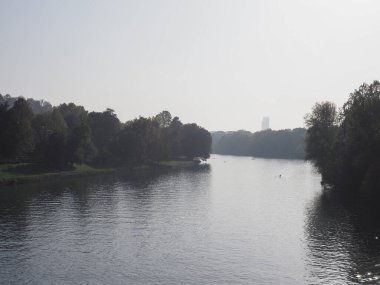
pixel 232 221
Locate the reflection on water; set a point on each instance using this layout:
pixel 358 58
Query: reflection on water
pixel 234 221
pixel 343 241
pixel 99 230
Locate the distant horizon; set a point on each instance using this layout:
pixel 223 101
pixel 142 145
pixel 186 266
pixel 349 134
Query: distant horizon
pixel 174 115
pixel 270 129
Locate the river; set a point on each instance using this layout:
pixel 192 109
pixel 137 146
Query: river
pixel 234 220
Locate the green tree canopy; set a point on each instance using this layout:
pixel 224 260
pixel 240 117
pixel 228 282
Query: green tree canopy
pixel 68 134
pixel 17 135
pixel 164 119
pixel 346 151
pixel 195 141
pixel 104 127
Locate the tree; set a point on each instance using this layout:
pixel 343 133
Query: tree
pixel 286 143
pixel 67 134
pixel 17 133
pixel 346 152
pixel 320 138
pixel 195 141
pixel 169 140
pixel 359 139
pixel 164 119
pixel 128 148
pixel 51 138
pixel 175 129
pixel 39 106
pixel 137 143
pixel 46 124
pixel 55 150
pixel 104 127
pixel 73 115
pixel 79 145
pixel 4 123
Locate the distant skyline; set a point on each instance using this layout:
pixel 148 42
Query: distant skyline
pixel 222 64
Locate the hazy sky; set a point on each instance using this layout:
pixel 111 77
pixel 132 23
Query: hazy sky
pixel 221 64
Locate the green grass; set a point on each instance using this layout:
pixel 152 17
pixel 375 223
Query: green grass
pixel 177 163
pixel 33 172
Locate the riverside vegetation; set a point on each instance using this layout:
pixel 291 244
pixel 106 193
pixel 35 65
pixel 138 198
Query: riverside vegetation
pixel 288 144
pixel 39 141
pixel 344 144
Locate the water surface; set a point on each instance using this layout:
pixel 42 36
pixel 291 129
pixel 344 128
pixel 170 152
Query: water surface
pixel 234 221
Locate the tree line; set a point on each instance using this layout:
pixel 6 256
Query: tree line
pixel 344 144
pixel 266 144
pixel 67 134
pixel 37 106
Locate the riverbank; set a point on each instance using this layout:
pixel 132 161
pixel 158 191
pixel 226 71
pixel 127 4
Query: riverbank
pixel 21 173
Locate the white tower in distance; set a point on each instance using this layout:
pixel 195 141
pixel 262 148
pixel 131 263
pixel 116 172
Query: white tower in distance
pixel 265 123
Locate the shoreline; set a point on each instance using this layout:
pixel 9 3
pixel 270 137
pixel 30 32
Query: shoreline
pixel 7 178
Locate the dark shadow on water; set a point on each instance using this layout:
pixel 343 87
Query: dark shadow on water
pixel 19 203
pixel 32 169
pixel 45 228
pixel 343 240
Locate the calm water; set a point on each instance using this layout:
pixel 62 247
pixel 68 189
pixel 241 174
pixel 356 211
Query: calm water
pixel 234 221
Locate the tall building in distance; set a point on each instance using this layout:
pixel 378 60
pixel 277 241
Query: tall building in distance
pixel 265 123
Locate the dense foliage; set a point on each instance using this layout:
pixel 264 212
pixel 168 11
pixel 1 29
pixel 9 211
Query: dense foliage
pixel 267 144
pixel 37 106
pixel 68 134
pixel 345 145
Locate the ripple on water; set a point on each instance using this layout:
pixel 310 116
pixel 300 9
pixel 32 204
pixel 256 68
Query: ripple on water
pixel 229 223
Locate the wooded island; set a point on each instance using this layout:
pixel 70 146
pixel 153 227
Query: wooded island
pixel 34 135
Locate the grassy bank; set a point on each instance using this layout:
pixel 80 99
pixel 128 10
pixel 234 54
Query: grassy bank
pixel 32 172
pixel 162 165
pixel 177 163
